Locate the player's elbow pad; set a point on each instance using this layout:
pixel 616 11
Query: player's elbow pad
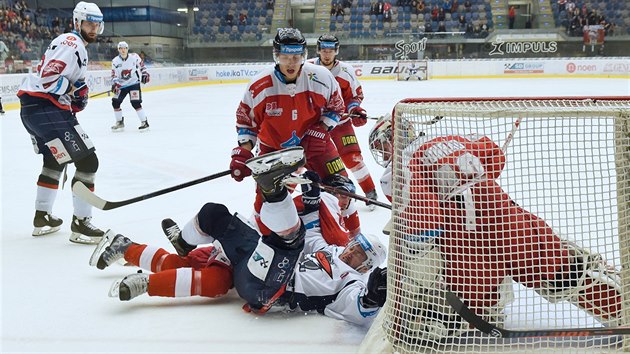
pixel 330 119
pixel 61 87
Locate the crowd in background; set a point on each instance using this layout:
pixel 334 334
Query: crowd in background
pixel 574 18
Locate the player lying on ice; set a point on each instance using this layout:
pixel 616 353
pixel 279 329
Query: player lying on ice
pixel 292 268
pixel 465 233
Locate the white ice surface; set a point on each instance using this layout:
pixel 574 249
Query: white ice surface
pixel 53 302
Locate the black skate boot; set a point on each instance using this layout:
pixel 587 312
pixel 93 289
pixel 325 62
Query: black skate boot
pixel 132 286
pixel 270 171
pixel 174 235
pixel 45 223
pixel 144 126
pixel 115 251
pixel 84 232
pixel 119 126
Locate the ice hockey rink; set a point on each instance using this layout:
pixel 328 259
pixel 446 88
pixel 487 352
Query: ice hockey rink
pixel 54 302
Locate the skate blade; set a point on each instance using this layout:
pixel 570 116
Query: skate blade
pixel 119 130
pixel 264 163
pixel 41 231
pixel 105 241
pixel 114 290
pixel 84 240
pixel 143 130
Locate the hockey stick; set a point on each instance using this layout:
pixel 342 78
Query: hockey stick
pixel 99 94
pixel 367 200
pixel 84 193
pixel 510 136
pixel 494 331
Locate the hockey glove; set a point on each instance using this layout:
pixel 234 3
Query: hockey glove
pixel 79 96
pixel 311 192
pixel 115 88
pixel 358 115
pixel 145 78
pixel 376 289
pixel 237 167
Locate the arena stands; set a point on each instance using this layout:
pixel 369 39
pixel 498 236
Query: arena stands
pixel 376 19
pixel 241 20
pixel 572 16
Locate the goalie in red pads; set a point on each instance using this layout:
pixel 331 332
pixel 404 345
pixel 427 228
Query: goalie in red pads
pixel 464 232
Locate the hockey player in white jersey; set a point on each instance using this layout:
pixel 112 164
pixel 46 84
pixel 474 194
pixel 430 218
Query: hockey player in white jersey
pixel 128 71
pixel 50 100
pixel 269 272
pixel 413 71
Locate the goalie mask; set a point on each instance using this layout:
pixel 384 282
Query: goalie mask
pixel 381 139
pixel 289 41
pixel 87 11
pixel 373 248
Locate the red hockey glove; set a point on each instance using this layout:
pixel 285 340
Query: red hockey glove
pixel 115 88
pixel 317 139
pixel 145 78
pixel 237 167
pixel 79 96
pixel 359 116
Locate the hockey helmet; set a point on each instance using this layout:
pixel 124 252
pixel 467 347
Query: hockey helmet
pixel 87 11
pixel 328 41
pixel 374 250
pixel 381 140
pixel 289 41
pixel 123 44
pixel 340 182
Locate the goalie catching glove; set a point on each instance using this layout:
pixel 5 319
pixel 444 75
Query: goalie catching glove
pixel 238 169
pixel 376 289
pixel 358 115
pixel 79 96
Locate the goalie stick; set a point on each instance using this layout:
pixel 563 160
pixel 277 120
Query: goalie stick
pixel 494 331
pixel 84 193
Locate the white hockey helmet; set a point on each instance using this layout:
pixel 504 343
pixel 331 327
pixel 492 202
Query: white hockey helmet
pixel 374 250
pixel 88 11
pixel 381 140
pixel 123 44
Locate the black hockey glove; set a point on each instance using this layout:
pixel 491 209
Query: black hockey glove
pixel 311 192
pixel 376 289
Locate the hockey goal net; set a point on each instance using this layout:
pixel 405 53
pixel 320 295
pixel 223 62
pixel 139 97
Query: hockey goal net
pixel 539 240
pixel 412 70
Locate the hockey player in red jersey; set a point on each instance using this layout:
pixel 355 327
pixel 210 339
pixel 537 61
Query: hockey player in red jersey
pixel 454 204
pixel 50 99
pixel 333 280
pixel 343 135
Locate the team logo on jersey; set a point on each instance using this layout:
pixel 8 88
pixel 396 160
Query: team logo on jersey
pixel 53 67
pixel 293 141
pixel 272 110
pixel 125 74
pixel 313 77
pixel 260 259
pixel 319 260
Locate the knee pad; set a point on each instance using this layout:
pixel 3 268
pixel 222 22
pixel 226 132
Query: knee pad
pixel 51 171
pixel 214 218
pixel 136 104
pixel 116 103
pixel 89 164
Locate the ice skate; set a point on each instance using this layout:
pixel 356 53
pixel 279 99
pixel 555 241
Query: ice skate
pixel 270 170
pixel 371 195
pixel 119 126
pixel 130 286
pixel 2 111
pixel 113 252
pixel 105 241
pixel 84 232
pixel 45 223
pixel 144 126
pixel 174 235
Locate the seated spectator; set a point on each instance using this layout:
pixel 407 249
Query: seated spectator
pixel 446 6
pixel 468 6
pixel 387 9
pixel 484 31
pixel 562 5
pixel 455 6
pixel 441 14
pixel 346 4
pixel 428 28
pixel 270 4
pixel 242 19
pixel 442 29
pixel 434 13
pixel 462 22
pixel 421 7
pixel 229 19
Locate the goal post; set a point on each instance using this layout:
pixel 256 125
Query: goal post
pixel 412 70
pixel 537 240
